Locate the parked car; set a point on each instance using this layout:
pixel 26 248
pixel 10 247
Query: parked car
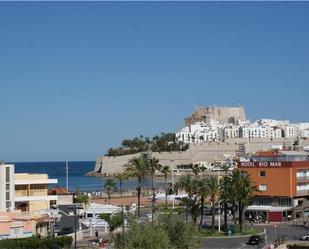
pixel 255 240
pixel 305 237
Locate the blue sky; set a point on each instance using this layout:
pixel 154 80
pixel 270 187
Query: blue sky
pixel 77 78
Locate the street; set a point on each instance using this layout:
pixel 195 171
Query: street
pixel 288 231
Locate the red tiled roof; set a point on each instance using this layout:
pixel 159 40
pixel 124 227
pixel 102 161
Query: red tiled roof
pixel 59 191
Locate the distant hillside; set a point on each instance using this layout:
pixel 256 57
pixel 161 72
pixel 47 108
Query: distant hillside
pixel 159 143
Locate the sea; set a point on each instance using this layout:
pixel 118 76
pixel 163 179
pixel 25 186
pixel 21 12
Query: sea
pixel 76 173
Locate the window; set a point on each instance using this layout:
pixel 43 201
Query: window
pixel 7 187
pixel 263 187
pixel 261 200
pixel 7 196
pixel 263 173
pixel 7 174
pixel 284 201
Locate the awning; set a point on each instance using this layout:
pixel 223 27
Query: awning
pixel 268 208
pixel 102 209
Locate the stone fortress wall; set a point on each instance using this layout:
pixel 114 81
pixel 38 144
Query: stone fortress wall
pixel 226 114
pixel 204 152
pixel 196 153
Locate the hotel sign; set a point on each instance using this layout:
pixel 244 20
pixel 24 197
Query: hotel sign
pixel 260 164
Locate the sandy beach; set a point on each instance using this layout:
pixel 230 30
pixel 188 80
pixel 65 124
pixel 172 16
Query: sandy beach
pixel 125 200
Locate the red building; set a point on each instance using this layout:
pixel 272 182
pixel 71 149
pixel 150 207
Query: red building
pixel 283 182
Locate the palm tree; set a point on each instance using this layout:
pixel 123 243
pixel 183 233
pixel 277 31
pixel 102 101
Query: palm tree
pixel 153 166
pixel 226 193
pixel 166 171
pixel 121 176
pixel 243 190
pixel 213 189
pixel 190 186
pixel 110 188
pixel 193 206
pixel 137 167
pixel 202 190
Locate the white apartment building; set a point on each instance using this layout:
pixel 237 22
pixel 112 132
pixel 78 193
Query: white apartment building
pixel 289 131
pixel 26 192
pixel 272 122
pixel 201 132
pixel 207 135
pixel 7 187
pixel 304 134
pixel 231 132
pixel 255 131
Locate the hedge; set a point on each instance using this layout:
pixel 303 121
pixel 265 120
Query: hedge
pixel 37 243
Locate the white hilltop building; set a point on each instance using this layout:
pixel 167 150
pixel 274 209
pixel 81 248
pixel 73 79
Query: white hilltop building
pixel 212 130
pixel 200 132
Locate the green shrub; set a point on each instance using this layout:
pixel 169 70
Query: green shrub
pixel 169 232
pixel 37 243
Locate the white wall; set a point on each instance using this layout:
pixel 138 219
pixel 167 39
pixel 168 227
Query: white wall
pixel 3 189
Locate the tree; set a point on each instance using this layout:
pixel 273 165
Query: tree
pixel 137 167
pixel 121 176
pixel 243 190
pixel 114 221
pixel 80 198
pixel 153 165
pixel 165 170
pixel 203 191
pixel 110 188
pixel 189 185
pixel 226 191
pixel 180 233
pixel 147 235
pixel 37 243
pixel 213 189
pixel 170 231
pixel 162 142
pixel 226 196
pixel 192 206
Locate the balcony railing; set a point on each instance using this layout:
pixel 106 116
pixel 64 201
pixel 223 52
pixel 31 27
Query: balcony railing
pixel 36 198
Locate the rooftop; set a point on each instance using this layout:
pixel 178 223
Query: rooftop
pixel 59 191
pixel 285 155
